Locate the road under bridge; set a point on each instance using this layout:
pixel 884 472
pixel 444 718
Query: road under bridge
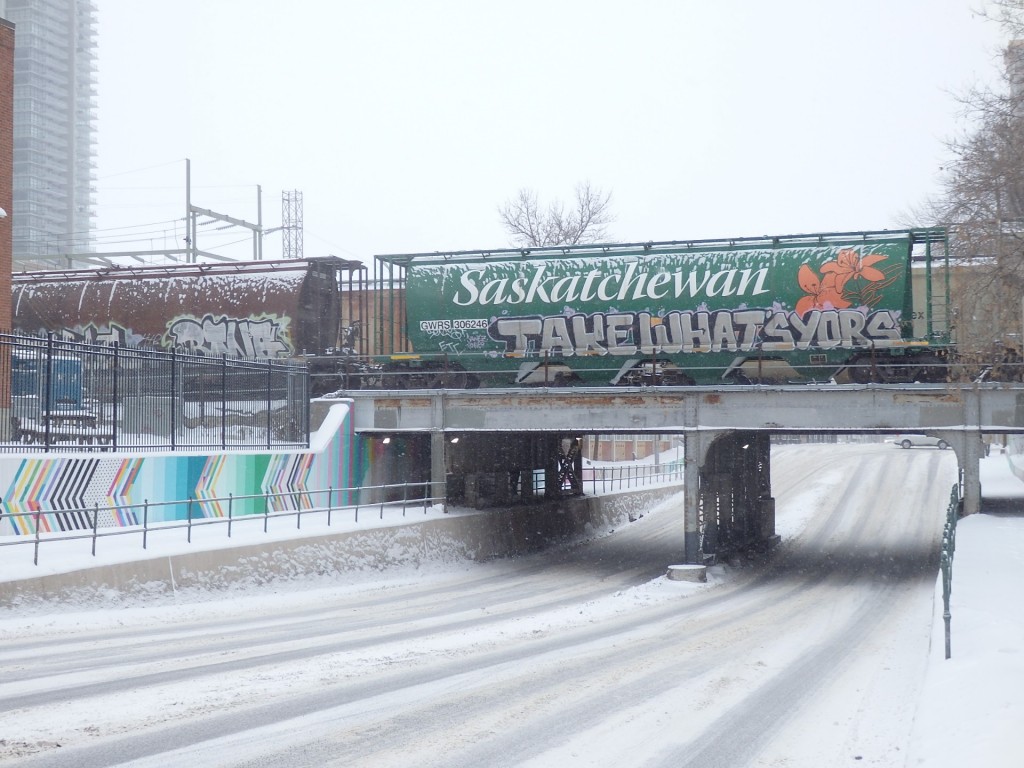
pixel 726 433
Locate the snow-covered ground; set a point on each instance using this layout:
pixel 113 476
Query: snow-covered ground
pixel 970 710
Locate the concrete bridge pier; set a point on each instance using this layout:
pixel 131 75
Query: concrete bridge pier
pixel 969 448
pixel 727 495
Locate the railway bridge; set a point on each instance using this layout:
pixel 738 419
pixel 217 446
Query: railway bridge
pixel 726 433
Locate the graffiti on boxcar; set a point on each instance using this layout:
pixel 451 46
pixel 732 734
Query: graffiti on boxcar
pixel 254 336
pixel 726 330
pixel 101 334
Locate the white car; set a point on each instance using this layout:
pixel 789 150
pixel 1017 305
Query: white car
pixel 916 441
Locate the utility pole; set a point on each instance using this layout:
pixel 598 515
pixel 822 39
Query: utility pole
pixel 190 230
pixel 193 212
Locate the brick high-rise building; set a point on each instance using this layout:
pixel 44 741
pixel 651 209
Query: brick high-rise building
pixel 54 135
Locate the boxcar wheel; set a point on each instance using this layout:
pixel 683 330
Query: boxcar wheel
pixel 862 371
pixel 456 379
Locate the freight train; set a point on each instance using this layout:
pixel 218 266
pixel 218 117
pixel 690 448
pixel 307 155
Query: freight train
pixel 860 307
pixel 848 307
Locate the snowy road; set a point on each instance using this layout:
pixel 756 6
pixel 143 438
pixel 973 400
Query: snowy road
pixel 585 657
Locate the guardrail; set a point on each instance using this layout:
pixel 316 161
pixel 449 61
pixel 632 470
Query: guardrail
pixel 334 502
pixel 605 479
pixel 948 550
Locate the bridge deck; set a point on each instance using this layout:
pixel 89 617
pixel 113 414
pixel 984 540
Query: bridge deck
pixel 989 408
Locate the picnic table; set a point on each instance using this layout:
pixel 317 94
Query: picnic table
pixel 78 427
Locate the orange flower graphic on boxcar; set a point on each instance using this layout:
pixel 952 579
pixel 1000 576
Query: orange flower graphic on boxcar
pixel 827 290
pixel 821 292
pixel 849 264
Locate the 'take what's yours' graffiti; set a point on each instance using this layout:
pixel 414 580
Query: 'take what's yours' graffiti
pixel 235 337
pixel 626 333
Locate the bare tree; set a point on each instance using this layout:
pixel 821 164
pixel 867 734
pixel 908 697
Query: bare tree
pixel 585 221
pixel 982 203
pixel 1009 14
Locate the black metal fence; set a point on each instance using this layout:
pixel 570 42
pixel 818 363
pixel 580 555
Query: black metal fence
pixel 68 395
pixel 324 508
pixel 607 479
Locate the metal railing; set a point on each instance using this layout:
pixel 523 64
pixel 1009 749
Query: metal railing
pixel 332 504
pixel 73 395
pixel 605 479
pixel 948 550
pixel 228 511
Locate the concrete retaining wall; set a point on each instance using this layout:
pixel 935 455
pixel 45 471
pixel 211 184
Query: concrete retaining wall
pixel 465 536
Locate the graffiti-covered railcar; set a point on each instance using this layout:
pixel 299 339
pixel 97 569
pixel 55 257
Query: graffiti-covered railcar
pixel 259 309
pixel 851 306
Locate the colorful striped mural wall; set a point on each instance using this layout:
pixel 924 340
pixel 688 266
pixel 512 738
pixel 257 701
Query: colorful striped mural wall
pixel 66 488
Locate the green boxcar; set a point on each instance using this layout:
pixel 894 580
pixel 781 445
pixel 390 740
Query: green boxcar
pixel 754 310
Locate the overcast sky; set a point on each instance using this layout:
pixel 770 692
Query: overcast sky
pixel 406 123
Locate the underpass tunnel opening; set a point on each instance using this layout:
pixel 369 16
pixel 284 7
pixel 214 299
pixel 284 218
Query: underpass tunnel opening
pixel 494 469
pixel 399 464
pixel 735 508
pixel 484 469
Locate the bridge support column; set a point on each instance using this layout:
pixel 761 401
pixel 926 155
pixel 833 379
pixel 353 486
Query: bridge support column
pixel 438 468
pixel 727 493
pixel 563 466
pixel 695 449
pixel 969 450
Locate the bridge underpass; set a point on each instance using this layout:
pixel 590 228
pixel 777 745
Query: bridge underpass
pixel 726 434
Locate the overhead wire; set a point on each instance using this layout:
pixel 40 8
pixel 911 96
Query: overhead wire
pixel 164 229
pixel 139 170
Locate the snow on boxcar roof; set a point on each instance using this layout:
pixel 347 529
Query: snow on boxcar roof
pixel 675 246
pixel 220 269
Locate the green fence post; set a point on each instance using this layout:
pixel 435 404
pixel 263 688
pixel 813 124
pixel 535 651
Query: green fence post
pixel 946 562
